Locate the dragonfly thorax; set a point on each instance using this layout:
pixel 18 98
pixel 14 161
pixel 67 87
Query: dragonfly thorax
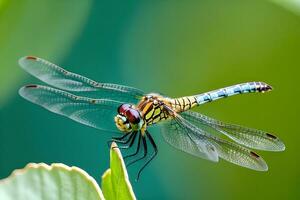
pixel 128 118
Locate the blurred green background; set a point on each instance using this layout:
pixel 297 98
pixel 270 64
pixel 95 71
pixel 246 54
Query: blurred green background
pixel 173 47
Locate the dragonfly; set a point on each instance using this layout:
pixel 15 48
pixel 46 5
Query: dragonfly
pixel 130 112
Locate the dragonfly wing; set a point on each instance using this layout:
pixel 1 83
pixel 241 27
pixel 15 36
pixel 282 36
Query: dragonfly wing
pixel 65 80
pixel 238 155
pixel 248 137
pixel 184 138
pixel 97 113
pixel 183 135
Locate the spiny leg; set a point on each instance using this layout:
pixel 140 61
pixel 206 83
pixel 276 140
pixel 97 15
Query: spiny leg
pixel 145 152
pixel 151 157
pixel 124 141
pixel 117 139
pixel 122 137
pixel 131 139
pixel 137 149
pixel 131 136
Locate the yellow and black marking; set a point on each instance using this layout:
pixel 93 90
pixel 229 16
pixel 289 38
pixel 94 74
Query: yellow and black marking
pixel 154 113
pixel 152 109
pixel 183 103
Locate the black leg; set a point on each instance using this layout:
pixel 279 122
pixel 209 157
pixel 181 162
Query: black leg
pixel 145 152
pixel 137 149
pixel 132 139
pixel 117 139
pixel 122 137
pixel 151 157
pixel 124 141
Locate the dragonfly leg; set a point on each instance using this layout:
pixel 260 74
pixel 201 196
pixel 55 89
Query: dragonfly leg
pixel 151 157
pixel 117 139
pixel 131 140
pixel 145 152
pixel 124 141
pixel 137 149
pixel 122 137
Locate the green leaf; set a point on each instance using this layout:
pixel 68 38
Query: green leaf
pixel 58 181
pixel 43 28
pixel 41 181
pixel 115 181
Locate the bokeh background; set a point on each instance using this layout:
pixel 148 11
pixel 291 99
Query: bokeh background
pixel 173 47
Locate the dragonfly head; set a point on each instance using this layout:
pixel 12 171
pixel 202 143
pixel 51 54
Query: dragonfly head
pixel 128 118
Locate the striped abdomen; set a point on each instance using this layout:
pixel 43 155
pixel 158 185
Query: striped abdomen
pixel 185 103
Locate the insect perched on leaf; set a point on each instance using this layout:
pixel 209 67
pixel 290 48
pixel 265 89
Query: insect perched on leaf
pixel 118 108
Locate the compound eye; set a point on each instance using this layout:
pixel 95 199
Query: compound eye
pixel 123 108
pixel 133 116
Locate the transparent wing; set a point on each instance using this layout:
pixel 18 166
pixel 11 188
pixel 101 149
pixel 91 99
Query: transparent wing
pixel 62 79
pixel 248 137
pixel 238 155
pixel 97 113
pixel 185 136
